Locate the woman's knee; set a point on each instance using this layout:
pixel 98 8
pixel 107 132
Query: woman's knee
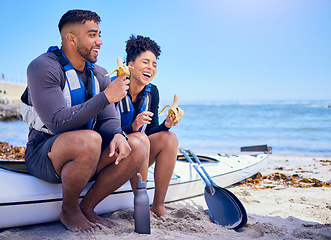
pixel 138 147
pixel 173 138
pixel 143 137
pixel 169 139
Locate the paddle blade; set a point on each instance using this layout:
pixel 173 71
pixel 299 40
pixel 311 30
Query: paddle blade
pixel 223 209
pixel 241 207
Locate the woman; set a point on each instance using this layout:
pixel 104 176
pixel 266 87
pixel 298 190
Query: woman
pixel 139 113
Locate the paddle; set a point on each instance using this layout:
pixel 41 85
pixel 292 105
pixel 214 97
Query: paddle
pixel 222 208
pixel 234 197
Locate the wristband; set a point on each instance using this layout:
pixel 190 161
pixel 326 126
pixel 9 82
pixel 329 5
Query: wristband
pixel 124 135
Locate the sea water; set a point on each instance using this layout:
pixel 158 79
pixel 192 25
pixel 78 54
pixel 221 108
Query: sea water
pixel 297 127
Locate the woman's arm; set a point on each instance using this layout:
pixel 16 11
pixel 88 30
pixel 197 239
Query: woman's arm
pixel 154 126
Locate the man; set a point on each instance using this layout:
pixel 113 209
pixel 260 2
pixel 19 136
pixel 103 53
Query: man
pixel 75 134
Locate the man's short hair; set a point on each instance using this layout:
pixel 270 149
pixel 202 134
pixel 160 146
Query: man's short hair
pixel 78 16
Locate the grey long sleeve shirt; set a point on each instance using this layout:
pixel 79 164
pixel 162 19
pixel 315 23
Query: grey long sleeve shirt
pixel 46 79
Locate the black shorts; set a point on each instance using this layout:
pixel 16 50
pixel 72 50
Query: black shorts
pixel 36 158
pixel 37 161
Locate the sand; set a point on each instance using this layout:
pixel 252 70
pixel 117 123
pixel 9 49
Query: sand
pixel 275 211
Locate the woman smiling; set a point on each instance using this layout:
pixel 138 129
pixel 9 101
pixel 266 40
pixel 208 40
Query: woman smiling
pixel 139 113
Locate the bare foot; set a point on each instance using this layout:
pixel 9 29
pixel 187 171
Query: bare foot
pixel 76 221
pixel 151 214
pixel 95 218
pixel 159 210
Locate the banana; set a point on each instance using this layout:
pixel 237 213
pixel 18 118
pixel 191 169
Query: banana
pixel 121 68
pixel 174 110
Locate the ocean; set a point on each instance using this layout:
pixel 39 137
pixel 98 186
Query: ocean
pixel 296 127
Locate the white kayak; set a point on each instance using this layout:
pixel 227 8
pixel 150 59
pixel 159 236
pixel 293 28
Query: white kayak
pixel 26 200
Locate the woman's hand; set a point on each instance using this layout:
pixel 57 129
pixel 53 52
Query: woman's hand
pixel 142 118
pixel 170 121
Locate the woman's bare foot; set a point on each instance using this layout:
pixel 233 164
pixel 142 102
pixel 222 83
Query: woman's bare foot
pixel 159 210
pixel 74 220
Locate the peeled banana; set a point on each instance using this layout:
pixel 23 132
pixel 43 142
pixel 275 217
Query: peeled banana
pixel 174 110
pixel 121 68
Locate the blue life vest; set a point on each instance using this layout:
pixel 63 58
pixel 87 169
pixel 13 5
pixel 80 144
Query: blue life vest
pixel 74 90
pixel 126 108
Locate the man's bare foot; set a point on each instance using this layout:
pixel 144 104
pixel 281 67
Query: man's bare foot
pixel 95 218
pixel 159 210
pixel 76 221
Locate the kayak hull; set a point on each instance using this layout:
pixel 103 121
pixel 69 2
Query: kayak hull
pixel 26 200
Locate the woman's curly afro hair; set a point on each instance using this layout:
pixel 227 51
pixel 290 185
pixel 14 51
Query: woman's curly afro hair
pixel 136 45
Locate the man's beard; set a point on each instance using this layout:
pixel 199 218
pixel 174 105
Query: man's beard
pixel 85 53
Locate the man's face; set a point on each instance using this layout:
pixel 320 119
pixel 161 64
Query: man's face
pixel 89 42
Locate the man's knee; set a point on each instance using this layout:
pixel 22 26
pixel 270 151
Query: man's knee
pixel 88 141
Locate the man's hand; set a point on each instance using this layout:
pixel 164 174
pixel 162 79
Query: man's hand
pixel 142 118
pixel 119 146
pixel 116 90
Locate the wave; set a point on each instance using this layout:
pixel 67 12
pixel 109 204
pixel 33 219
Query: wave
pixel 311 103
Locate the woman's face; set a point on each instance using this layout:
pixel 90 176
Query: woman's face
pixel 144 68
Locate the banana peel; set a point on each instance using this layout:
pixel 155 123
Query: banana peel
pixel 121 68
pixel 174 110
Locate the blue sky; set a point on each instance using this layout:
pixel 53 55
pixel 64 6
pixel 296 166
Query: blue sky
pixel 212 50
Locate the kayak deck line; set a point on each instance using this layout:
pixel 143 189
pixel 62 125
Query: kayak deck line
pixel 82 196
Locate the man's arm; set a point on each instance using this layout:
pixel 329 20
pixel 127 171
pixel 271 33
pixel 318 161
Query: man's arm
pixel 45 82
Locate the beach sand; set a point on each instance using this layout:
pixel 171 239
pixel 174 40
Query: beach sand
pixel 276 210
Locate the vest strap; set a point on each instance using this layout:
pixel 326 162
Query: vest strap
pixel 73 92
pixel 127 110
